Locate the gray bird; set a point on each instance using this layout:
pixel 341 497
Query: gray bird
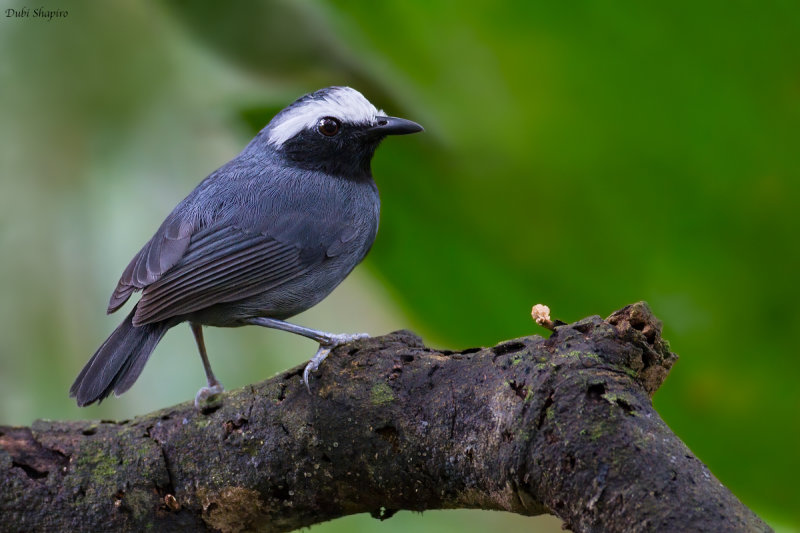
pixel 263 238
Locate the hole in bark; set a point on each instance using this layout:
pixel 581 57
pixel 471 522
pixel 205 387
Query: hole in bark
pixel 326 458
pixel 508 347
pixel 470 350
pixel 407 358
pixel 584 328
pixel 89 431
pixel 211 409
pixel 519 389
pixel 164 490
pixel 30 471
pixel 571 462
pixel 352 351
pixel 165 417
pixel 433 369
pixel 281 492
pixel 637 323
pixel 596 390
pixel 625 406
pixel 648 358
pixel 389 434
pixel 232 425
pixel 543 413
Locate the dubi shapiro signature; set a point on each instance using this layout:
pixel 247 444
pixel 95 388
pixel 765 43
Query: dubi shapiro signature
pixel 38 13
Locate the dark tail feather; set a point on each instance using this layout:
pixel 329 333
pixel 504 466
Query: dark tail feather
pixel 118 362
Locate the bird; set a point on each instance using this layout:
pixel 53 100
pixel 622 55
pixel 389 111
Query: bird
pixel 266 236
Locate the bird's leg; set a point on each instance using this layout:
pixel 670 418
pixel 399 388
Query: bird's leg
pixel 327 341
pixel 214 386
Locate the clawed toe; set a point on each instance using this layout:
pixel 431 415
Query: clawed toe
pixel 313 365
pixel 325 349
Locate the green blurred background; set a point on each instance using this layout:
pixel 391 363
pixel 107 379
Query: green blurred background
pixel 585 155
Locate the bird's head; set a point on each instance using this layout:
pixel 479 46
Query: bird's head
pixel 335 130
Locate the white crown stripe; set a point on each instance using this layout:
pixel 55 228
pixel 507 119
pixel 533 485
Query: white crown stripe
pixel 344 103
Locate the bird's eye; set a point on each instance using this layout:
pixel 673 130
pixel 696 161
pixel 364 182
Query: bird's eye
pixel 328 126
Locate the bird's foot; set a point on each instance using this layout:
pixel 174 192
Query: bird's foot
pixel 313 365
pixel 206 393
pixel 325 349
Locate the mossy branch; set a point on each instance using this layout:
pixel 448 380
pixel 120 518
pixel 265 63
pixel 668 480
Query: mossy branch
pixel 563 425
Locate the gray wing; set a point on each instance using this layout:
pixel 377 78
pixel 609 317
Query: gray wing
pixel 222 264
pixel 160 254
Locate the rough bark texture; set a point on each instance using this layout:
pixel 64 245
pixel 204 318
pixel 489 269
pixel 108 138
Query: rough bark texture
pixel 561 425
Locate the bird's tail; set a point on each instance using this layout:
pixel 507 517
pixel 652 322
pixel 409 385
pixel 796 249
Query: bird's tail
pixel 116 365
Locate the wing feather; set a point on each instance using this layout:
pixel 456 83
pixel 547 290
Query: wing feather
pixel 160 253
pixel 187 285
pixel 222 264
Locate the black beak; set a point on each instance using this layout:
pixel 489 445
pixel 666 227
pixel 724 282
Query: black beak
pixel 394 126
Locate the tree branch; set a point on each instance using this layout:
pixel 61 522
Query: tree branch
pixel 563 425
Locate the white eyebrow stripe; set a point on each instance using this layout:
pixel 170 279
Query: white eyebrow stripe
pixel 344 103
